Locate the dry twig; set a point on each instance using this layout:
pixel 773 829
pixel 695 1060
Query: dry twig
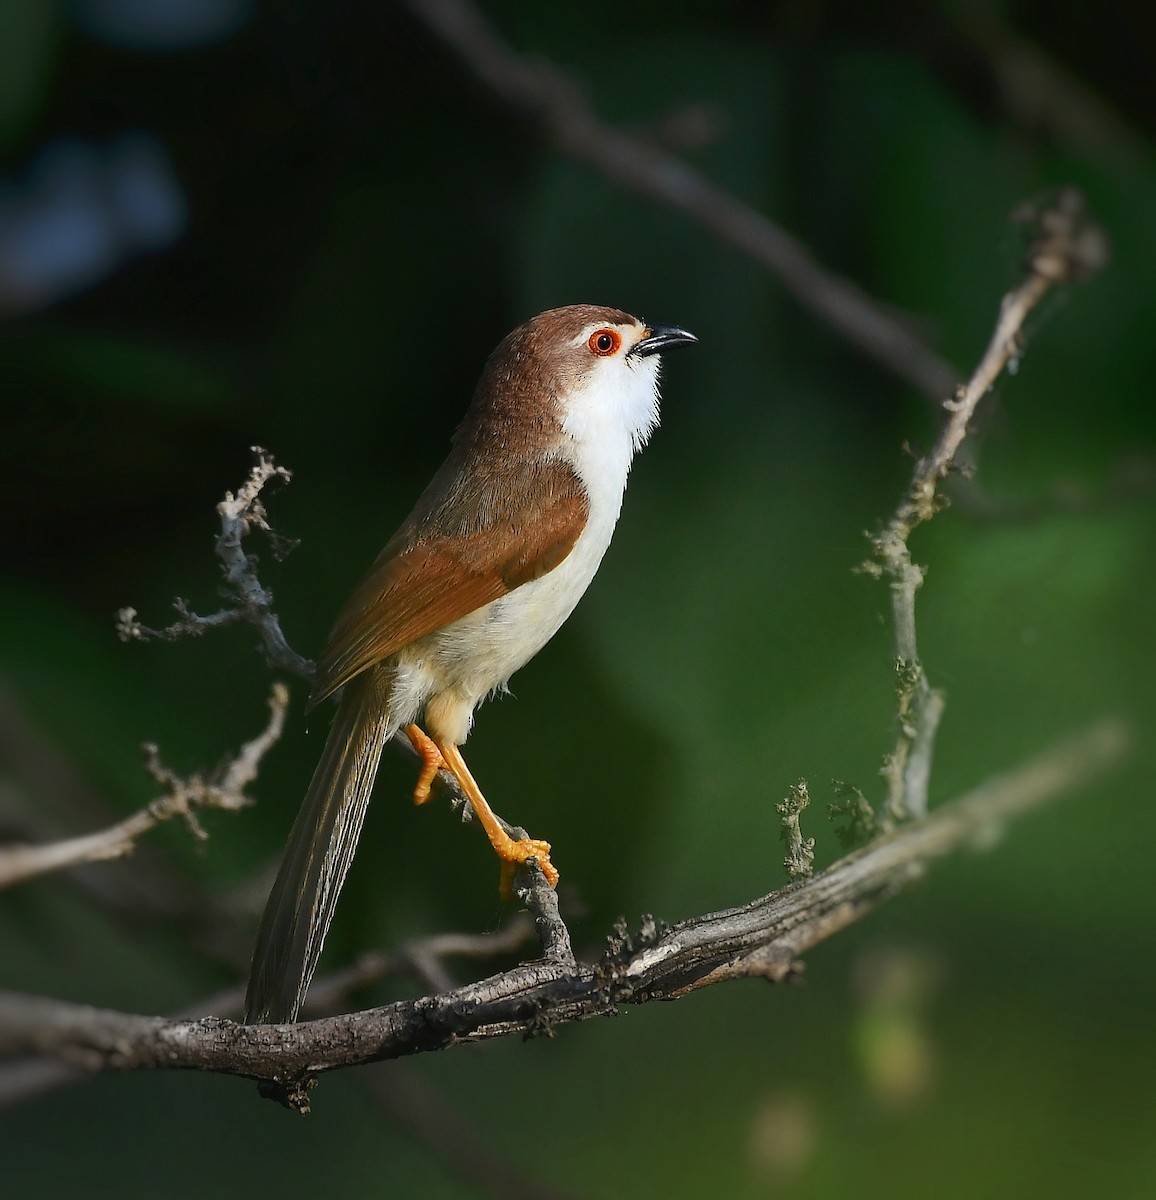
pixel 1066 246
pixel 800 857
pixel 184 798
pixel 252 603
pixel 49 794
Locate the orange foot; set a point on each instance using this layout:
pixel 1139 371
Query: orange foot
pixel 515 854
pixel 431 761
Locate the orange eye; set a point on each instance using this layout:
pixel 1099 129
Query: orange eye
pixel 604 342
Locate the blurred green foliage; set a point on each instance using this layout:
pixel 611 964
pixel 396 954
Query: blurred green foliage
pixel 366 224
pixel 28 41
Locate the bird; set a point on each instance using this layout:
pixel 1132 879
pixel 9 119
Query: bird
pixel 495 555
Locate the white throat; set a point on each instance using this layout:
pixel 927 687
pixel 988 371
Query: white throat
pixel 608 419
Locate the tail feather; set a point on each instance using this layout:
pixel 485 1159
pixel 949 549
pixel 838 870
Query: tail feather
pixel 320 849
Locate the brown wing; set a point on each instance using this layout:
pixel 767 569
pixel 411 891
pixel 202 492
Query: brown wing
pixel 501 535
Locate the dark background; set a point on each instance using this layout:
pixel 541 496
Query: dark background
pixel 323 227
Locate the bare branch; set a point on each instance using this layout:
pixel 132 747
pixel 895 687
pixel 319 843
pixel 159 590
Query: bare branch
pixel 544 92
pixel 183 798
pixel 252 602
pixel 50 794
pixel 1039 93
pixel 764 939
pixel 541 900
pixel 1066 246
pixel 421 958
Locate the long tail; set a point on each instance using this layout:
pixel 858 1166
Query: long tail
pixel 321 846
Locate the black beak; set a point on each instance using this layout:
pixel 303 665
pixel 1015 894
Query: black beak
pixel 661 337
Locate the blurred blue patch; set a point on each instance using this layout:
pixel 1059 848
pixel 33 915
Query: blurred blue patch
pixel 80 213
pixel 144 198
pixel 158 25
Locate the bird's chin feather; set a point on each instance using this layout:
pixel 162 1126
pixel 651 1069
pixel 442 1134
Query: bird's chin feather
pixel 611 417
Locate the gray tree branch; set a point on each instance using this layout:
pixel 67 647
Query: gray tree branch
pixel 44 792
pixel 542 91
pixel 221 789
pixel 764 938
pixel 1065 246
pixel 252 602
pixel 423 959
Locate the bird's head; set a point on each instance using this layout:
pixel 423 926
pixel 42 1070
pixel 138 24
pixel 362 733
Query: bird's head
pixel 599 366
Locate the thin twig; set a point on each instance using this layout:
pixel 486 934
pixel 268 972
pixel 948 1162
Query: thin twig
pixel 50 794
pixel 222 789
pixel 252 602
pixel 1040 94
pixel 543 91
pixel 800 857
pixel 764 939
pixel 422 958
pixel 541 900
pixel 1066 246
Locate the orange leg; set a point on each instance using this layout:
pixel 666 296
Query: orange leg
pixel 431 761
pixel 512 853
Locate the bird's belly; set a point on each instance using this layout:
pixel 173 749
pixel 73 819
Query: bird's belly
pixel 482 650
pixel 476 654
